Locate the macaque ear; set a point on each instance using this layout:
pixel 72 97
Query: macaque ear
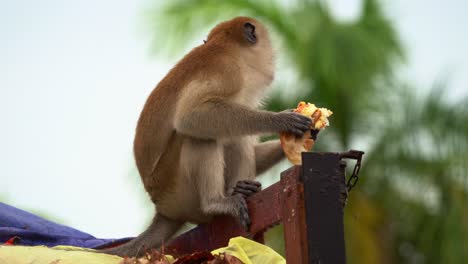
pixel 249 33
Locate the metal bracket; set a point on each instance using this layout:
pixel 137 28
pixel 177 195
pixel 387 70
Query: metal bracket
pixel 356 155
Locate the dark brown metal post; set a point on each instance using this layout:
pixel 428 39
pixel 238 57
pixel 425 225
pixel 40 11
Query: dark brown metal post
pixel 323 180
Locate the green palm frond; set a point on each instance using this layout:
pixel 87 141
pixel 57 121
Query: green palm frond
pixel 423 141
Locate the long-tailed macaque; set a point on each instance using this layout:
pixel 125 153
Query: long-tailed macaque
pixel 196 140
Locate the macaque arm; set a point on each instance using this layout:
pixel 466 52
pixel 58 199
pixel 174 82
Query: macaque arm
pixel 267 154
pixel 220 119
pixel 207 111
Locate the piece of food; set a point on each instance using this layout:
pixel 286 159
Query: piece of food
pixel 294 146
pixel 319 115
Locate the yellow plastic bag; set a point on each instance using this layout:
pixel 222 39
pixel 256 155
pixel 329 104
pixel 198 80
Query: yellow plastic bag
pixel 55 255
pixel 251 252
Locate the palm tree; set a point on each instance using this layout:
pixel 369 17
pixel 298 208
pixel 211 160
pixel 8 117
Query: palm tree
pixel 410 204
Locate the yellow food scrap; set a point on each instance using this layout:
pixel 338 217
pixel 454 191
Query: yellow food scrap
pixel 319 115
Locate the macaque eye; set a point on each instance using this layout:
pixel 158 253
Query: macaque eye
pixel 249 32
pixel 204 41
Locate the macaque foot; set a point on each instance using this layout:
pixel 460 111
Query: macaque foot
pixel 247 188
pixel 243 211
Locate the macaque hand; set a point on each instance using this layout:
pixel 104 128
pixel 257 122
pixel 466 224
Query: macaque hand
pixel 293 123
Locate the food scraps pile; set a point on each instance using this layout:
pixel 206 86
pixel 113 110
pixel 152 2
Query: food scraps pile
pixel 155 257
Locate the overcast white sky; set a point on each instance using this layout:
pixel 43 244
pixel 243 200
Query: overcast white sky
pixel 75 74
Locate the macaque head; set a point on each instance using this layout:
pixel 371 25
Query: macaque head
pixel 250 39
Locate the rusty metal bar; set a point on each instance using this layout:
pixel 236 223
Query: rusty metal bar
pixel 216 234
pixel 293 216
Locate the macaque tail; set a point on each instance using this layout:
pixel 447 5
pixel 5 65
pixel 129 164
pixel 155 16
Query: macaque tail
pixel 159 231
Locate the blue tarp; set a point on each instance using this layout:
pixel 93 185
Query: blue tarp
pixel 32 230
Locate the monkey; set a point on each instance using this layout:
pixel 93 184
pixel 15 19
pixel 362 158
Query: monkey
pixel 195 143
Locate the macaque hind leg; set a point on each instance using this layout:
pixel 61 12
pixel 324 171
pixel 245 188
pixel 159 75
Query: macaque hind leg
pixel 239 169
pixel 206 167
pixel 239 158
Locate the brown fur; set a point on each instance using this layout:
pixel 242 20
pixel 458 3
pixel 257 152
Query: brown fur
pixel 196 136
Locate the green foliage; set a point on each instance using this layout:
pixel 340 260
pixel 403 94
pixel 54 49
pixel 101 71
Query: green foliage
pixel 410 205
